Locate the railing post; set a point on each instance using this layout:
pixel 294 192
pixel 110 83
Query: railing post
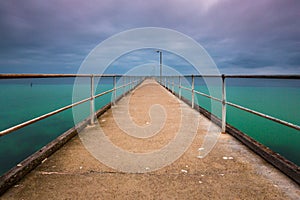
pixel 223 104
pixel 115 89
pixel 193 94
pixel 123 88
pixel 173 84
pixel 92 109
pixel 179 87
pixel 134 83
pixel 127 83
pixel 130 83
pixel 165 81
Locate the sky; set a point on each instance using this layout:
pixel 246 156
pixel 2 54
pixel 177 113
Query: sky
pixel 242 37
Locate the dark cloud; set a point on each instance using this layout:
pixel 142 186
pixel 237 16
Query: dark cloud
pixel 55 36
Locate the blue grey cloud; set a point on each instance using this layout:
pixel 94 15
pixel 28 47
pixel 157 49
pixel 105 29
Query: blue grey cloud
pixel 261 36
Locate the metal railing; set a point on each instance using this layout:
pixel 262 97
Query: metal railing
pixel 128 81
pixel 131 81
pixel 168 82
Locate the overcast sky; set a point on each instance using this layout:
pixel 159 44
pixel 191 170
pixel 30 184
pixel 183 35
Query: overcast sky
pixel 242 37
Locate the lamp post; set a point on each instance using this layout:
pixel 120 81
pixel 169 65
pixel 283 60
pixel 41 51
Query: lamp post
pixel 160 64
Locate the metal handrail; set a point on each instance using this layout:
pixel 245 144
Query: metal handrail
pixel 265 116
pixel 223 100
pixel 91 98
pixel 285 76
pixel 103 93
pixel 189 89
pixel 125 85
pixel 208 96
pixel 12 76
pixel 168 84
pixel 16 127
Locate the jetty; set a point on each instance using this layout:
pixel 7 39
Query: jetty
pixel 70 167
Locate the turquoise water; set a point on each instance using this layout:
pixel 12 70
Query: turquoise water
pixel 277 98
pixel 22 100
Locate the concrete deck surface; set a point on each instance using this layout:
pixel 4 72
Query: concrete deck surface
pixel 229 171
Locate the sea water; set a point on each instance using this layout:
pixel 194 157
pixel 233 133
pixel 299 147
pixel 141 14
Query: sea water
pixel 24 99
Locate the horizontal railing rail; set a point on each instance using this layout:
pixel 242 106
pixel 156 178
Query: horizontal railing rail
pixel 288 76
pixel 168 81
pixel 208 96
pixel 17 76
pixel 279 76
pixel 12 76
pixel 265 116
pixel 26 123
pixel 132 80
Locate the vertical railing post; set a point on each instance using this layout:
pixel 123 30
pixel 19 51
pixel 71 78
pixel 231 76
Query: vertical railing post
pixel 115 89
pixel 223 104
pixel 134 83
pixel 160 63
pixel 92 109
pixel 123 88
pixel 165 81
pixel 193 93
pixel 136 80
pixel 179 87
pixel 173 84
pixel 128 82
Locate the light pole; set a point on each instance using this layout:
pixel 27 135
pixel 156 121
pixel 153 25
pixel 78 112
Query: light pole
pixel 160 64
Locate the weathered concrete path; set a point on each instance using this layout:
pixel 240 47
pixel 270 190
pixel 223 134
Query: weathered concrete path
pixel 229 171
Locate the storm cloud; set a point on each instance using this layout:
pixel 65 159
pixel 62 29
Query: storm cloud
pixel 259 36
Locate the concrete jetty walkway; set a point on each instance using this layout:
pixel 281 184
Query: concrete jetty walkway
pixel 149 120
